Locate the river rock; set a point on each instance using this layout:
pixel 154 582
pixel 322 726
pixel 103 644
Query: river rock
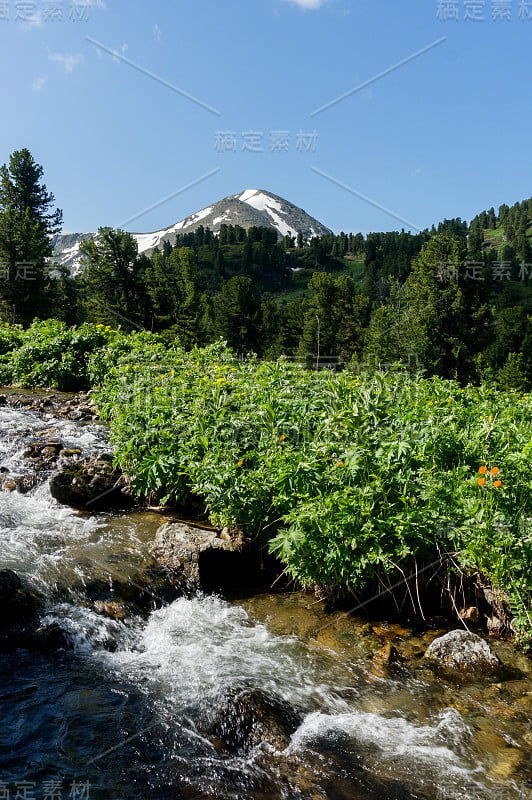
pixel 19 483
pixel 113 609
pixel 48 639
pixel 18 603
pixel 43 454
pixel 384 660
pixel 91 484
pixel 246 717
pixel 464 651
pixel 205 559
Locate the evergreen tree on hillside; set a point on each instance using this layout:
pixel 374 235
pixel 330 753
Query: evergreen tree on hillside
pixel 384 339
pixel 112 279
pixel 236 315
pixel 333 320
pixel 444 322
pixel 161 288
pixel 27 222
pixel 188 309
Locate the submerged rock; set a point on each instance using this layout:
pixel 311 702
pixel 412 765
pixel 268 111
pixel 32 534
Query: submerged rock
pixel 464 651
pixel 19 617
pixel 384 660
pixel 205 559
pixel 91 484
pixel 43 454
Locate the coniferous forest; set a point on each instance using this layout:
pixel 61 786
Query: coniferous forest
pixel 454 301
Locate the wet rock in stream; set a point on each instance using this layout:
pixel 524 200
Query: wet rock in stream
pixel 207 559
pixel 20 627
pixel 247 717
pixel 90 484
pixel 18 602
pixel 464 651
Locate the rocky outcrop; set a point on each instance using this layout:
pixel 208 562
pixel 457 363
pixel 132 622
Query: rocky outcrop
pixel 463 651
pixel 206 559
pixel 91 484
pixel 247 717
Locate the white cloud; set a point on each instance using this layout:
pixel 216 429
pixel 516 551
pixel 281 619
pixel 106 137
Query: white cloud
pixel 308 4
pixel 417 171
pixel 157 32
pixel 38 83
pixel 67 61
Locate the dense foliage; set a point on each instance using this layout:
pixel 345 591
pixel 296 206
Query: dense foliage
pixel 346 477
pixel 51 354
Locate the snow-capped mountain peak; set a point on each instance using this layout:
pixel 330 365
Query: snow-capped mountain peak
pixel 252 207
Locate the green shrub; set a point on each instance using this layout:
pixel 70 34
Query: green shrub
pixel 344 476
pixel 53 355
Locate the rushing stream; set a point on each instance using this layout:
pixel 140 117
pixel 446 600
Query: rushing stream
pixel 131 707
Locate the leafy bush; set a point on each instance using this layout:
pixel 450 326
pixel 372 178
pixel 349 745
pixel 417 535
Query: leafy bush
pixel 344 476
pixel 118 347
pixel 52 354
pixel 11 337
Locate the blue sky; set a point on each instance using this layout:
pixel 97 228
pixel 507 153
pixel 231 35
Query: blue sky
pixel 444 133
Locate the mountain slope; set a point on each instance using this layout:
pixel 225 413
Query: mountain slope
pixel 251 207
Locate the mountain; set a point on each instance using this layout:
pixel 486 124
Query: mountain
pixel 251 207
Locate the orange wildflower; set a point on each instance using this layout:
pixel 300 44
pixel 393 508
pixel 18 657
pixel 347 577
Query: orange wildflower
pixel 340 464
pixel 497 483
pixel 239 463
pixel 495 471
pixel 481 481
pixel 483 469
pixel 282 437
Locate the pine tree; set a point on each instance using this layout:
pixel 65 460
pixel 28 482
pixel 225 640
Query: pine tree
pixel 27 222
pixel 112 278
pixel 188 310
pixel 319 335
pixel 236 315
pixel 445 320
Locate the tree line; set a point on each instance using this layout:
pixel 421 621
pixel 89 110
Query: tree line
pixel 454 300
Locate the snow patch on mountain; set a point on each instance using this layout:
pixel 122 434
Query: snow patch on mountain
pixel 265 202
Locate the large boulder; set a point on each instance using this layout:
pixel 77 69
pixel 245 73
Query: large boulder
pixel 91 484
pixel 206 559
pixel 464 651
